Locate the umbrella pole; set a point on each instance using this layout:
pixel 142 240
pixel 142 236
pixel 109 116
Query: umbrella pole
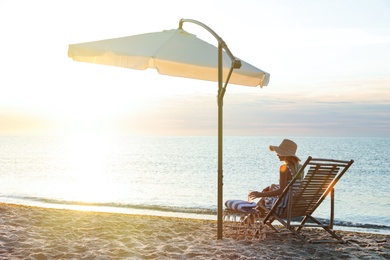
pixel 236 64
pixel 220 141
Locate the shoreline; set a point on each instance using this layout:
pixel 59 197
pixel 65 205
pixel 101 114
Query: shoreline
pixel 42 233
pixel 360 228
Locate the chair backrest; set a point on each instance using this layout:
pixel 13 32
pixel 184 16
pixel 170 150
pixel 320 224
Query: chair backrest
pixel 320 178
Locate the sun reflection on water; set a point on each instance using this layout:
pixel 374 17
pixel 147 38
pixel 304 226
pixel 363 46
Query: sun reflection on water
pixel 89 172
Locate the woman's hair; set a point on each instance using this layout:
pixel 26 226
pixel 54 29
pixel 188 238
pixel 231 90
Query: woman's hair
pixel 293 160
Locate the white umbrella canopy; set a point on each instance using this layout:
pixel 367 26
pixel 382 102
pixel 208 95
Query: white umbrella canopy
pixel 181 54
pixel 172 52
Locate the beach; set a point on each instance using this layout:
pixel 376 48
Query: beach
pixel 178 174
pixel 40 233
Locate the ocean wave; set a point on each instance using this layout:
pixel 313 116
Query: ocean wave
pixel 162 208
pixel 122 207
pixel 349 224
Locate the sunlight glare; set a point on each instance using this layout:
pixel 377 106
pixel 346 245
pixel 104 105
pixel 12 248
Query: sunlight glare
pixel 89 179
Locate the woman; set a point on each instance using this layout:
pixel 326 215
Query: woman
pixel 286 153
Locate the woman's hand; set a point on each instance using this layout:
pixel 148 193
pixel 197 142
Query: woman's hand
pixel 254 194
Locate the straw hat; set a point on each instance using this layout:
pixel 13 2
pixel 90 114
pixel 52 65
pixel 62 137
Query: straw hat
pixel 286 148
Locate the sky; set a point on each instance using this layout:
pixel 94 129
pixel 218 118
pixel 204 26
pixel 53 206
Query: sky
pixel 329 63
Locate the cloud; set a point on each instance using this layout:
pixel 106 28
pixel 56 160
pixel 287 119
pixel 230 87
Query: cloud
pixel 248 115
pixel 268 116
pixel 22 124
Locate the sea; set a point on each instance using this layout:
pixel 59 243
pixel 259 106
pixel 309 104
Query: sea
pixel 177 175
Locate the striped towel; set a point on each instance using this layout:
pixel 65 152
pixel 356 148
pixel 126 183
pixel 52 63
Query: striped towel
pixel 240 205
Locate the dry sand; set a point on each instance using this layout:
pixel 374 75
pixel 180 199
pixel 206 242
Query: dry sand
pixel 38 233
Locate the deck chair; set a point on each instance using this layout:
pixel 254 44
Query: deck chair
pixel 319 181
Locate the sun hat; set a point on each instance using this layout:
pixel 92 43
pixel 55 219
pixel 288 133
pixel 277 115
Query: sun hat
pixel 286 148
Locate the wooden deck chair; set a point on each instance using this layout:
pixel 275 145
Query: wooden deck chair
pixel 319 181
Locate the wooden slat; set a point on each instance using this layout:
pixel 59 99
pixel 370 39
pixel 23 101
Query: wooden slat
pixel 325 168
pixel 318 175
pixel 315 186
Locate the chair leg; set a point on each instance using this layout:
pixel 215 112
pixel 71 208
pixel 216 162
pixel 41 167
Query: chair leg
pixel 331 219
pixel 327 228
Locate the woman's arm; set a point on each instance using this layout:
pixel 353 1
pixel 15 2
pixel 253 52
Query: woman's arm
pixel 283 179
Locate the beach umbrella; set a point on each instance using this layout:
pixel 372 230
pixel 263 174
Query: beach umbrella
pixel 177 53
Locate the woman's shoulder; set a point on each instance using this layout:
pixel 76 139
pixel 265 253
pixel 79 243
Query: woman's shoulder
pixel 284 168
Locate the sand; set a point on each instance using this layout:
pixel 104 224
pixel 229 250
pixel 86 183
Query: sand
pixel 40 233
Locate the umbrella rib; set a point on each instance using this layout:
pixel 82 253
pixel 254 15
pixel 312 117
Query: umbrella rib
pixel 162 46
